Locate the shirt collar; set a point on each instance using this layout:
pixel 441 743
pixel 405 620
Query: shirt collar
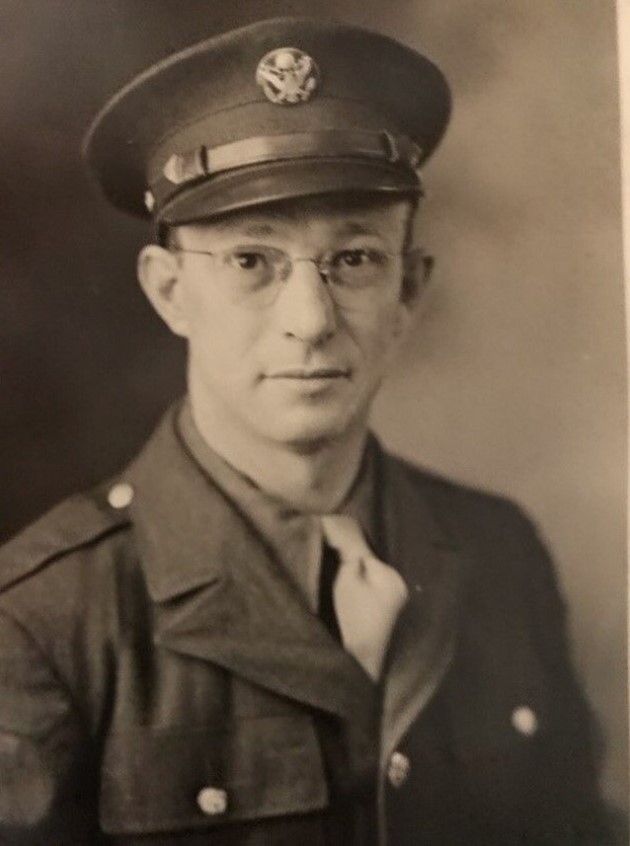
pixel 292 537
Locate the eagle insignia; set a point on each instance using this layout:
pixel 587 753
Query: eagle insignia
pixel 288 76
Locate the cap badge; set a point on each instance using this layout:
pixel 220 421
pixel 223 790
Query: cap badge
pixel 288 76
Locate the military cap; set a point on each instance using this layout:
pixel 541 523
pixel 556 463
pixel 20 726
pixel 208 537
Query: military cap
pixel 282 108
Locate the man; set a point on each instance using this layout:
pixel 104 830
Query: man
pixel 267 630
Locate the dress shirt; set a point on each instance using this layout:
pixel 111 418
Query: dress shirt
pixel 292 537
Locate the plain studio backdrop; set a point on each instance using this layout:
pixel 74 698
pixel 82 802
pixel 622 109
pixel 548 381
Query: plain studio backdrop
pixel 515 377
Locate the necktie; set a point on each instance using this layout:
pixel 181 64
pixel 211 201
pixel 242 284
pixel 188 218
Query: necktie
pixel 367 594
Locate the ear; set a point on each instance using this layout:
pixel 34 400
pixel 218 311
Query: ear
pixel 416 274
pixel 159 276
pixel 417 270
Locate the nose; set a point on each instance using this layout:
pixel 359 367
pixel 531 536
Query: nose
pixel 304 308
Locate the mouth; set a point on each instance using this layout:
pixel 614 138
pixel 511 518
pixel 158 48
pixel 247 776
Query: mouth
pixel 308 374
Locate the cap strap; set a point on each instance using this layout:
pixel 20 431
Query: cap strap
pixel 201 163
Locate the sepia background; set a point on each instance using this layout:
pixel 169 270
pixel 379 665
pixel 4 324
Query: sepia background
pixel 515 377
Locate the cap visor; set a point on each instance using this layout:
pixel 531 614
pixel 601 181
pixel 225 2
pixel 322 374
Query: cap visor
pixel 272 182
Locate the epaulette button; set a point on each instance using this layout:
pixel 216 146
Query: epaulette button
pixel 120 495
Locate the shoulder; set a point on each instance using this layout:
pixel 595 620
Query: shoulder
pixel 84 523
pixel 67 583
pixel 511 582
pixel 463 508
pixel 497 537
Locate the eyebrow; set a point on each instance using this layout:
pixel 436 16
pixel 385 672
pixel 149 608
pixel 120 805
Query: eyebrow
pixel 259 230
pixel 262 230
pixel 254 229
pixel 353 228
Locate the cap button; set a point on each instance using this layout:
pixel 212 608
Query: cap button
pixel 212 801
pixel 120 495
pixel 525 721
pixel 398 769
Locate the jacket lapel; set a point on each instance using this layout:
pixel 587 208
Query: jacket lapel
pixel 219 595
pixel 434 569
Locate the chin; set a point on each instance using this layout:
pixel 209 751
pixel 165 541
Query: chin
pixel 308 428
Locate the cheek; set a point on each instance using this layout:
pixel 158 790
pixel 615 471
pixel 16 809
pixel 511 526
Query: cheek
pixel 376 334
pixel 200 299
pixel 223 336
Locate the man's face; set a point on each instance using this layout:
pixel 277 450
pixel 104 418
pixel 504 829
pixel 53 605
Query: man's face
pixel 291 356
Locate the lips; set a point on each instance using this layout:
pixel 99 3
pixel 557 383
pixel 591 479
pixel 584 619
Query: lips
pixel 310 373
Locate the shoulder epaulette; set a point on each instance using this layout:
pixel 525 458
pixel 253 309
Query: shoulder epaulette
pixel 75 522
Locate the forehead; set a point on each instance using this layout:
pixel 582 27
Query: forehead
pixel 345 215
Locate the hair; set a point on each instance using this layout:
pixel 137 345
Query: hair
pixel 167 236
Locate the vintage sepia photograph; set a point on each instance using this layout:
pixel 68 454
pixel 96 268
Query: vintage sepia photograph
pixel 313 424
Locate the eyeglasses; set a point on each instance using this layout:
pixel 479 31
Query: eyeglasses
pixel 356 277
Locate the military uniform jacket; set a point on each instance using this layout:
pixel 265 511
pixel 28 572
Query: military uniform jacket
pixel 162 682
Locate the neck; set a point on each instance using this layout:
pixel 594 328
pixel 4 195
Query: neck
pixel 312 477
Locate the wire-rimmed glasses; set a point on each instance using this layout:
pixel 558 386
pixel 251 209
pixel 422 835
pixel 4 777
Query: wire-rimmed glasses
pixel 354 276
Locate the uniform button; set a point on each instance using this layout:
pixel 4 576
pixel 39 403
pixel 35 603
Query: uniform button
pixel 398 769
pixel 120 495
pixel 525 721
pixel 212 801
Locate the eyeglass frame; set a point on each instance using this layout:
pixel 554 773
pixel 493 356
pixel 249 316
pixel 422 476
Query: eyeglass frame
pixel 323 264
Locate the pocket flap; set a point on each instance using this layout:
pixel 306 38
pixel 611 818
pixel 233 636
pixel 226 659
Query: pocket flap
pixel 201 776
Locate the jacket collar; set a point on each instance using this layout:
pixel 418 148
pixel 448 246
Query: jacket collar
pixel 435 570
pixel 221 597
pixel 219 594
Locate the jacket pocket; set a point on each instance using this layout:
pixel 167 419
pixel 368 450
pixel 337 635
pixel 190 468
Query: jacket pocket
pixel 187 777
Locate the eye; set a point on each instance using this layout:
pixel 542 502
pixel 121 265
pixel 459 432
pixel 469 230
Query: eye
pixel 359 257
pixel 247 260
pixel 352 258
